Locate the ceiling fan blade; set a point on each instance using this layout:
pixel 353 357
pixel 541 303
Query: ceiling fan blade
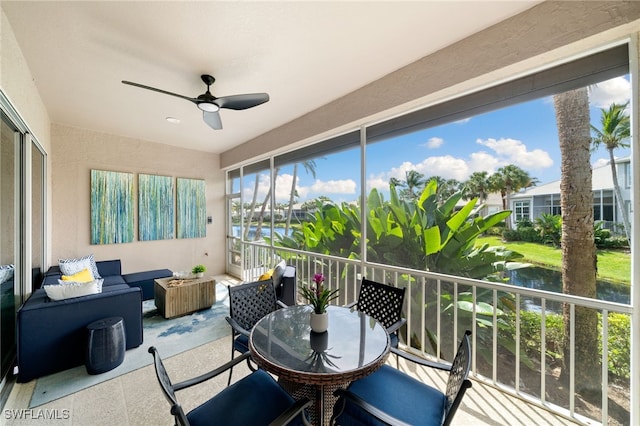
pixel 195 101
pixel 242 101
pixel 212 119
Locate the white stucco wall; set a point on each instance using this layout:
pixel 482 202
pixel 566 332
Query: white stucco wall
pixel 76 151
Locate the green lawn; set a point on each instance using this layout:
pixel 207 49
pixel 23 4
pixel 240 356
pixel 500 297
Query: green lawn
pixel 613 265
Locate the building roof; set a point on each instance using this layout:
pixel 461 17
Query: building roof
pixel 601 180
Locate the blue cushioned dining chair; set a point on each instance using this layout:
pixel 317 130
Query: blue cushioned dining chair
pixel 254 400
pixel 384 303
pixel 391 397
pixel 248 304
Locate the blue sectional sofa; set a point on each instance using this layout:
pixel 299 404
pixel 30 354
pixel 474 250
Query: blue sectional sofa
pixel 52 334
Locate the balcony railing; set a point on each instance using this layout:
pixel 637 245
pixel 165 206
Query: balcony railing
pixel 520 360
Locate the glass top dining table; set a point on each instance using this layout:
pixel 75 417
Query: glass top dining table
pixel 314 365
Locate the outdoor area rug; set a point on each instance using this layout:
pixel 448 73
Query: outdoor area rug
pixel 171 337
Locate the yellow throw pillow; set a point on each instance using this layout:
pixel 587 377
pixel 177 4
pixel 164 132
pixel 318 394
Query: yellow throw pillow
pixel 266 276
pixel 83 276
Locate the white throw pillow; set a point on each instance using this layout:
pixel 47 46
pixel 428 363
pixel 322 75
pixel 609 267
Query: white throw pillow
pixel 98 282
pixel 73 266
pixel 71 289
pixel 278 272
pixel 6 272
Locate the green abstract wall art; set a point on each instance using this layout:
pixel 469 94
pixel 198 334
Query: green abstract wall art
pixel 156 207
pixel 111 207
pixel 191 211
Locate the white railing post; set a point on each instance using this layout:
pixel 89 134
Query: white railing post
pixel 634 67
pixel 605 366
pixel 572 359
pixel 543 350
pixel 517 385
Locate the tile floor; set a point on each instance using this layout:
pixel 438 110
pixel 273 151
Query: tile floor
pixel 135 398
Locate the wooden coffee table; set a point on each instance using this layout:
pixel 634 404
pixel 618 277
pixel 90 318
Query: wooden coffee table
pixel 176 297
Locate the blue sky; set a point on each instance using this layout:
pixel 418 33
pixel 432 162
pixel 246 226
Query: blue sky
pixel 524 135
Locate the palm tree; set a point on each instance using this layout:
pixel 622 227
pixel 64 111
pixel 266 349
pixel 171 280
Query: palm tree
pixel 447 188
pixel 478 186
pixel 578 244
pixel 252 207
pixel 509 179
pixel 263 209
pixel 613 134
pixel 414 181
pixel 310 167
pixel 396 182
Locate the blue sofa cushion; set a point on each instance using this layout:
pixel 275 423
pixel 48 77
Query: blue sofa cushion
pixel 255 400
pixel 109 267
pixel 145 280
pixel 398 395
pixel 241 344
pixel 110 280
pixel 52 335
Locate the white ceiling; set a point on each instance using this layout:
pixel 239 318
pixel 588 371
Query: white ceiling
pixel 304 54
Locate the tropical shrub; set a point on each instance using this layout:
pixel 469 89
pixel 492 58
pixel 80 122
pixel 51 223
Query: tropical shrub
pixel 495 231
pixel 525 231
pixel 427 233
pixel 423 234
pixel 618 342
pixel 617 242
pixel 530 333
pixel 600 233
pixel 510 235
pixel 549 228
pixel 604 239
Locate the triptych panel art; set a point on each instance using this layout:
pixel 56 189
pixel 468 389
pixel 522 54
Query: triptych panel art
pixel 112 207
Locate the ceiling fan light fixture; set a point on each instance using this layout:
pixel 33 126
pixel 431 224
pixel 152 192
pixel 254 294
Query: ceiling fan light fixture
pixel 209 104
pixel 208 107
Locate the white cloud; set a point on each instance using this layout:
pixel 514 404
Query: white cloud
pixel 513 151
pixel 434 143
pixel 343 186
pixel 616 90
pixel 283 187
pixel 445 166
pixel 482 161
pixel 501 153
pixel 378 182
pixel 599 163
pixel 263 188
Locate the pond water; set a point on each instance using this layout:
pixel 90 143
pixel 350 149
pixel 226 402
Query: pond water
pixel 265 231
pixel 550 280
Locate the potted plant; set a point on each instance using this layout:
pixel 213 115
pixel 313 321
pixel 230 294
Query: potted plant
pixel 319 299
pixel 198 270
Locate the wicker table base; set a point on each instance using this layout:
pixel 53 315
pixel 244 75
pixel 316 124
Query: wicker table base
pixel 321 395
pixel 314 366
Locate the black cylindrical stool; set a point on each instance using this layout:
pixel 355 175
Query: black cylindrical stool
pixel 106 345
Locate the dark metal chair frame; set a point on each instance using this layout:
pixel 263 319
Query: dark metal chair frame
pixel 382 302
pixel 248 304
pixel 169 390
pixel 457 385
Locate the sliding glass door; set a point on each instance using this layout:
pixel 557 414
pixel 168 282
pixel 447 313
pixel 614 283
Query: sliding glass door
pixel 9 199
pixel 22 226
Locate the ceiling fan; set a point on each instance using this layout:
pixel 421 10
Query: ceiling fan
pixel 210 105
